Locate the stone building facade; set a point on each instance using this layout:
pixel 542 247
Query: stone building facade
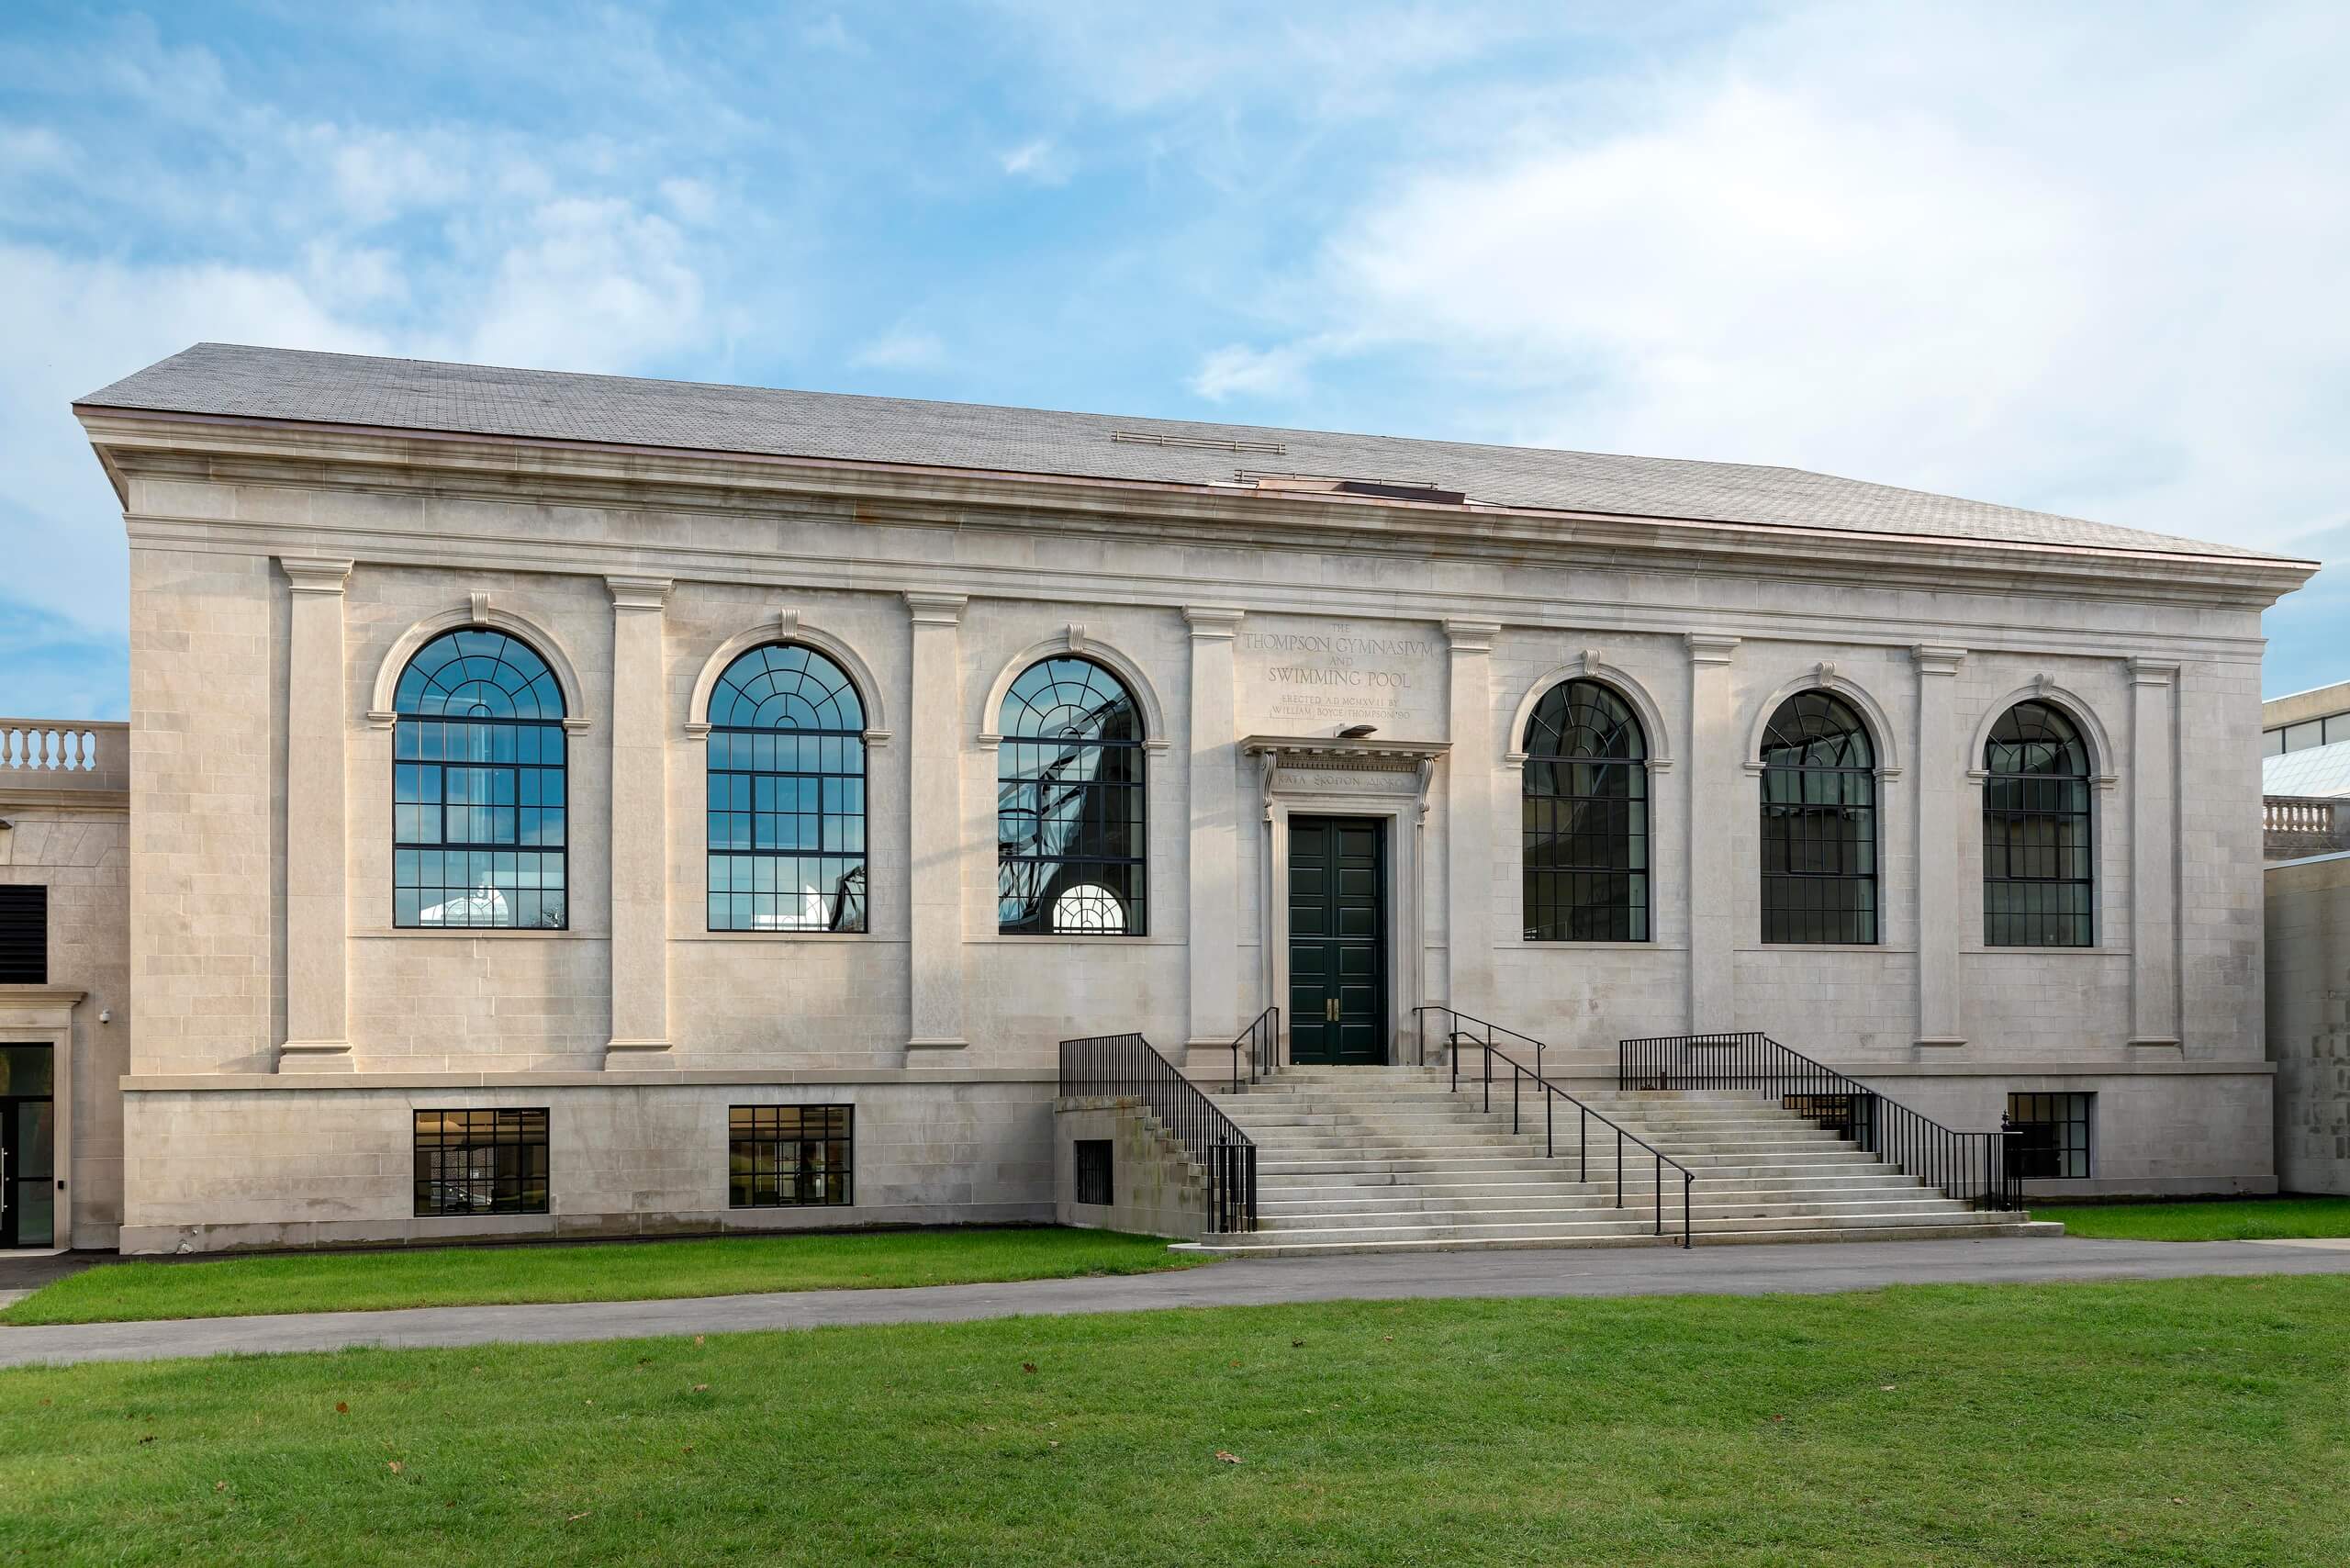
pixel 308 534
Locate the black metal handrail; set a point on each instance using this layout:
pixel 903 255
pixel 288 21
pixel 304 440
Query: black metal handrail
pixel 1459 1038
pixel 1262 1042
pixel 1126 1067
pixel 1973 1167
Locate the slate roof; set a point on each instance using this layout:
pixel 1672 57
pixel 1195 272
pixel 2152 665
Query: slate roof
pixel 282 384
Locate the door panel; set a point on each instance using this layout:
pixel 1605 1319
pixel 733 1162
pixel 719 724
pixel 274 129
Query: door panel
pixel 28 1148
pixel 1337 940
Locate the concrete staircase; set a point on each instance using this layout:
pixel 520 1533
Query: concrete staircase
pixel 1385 1159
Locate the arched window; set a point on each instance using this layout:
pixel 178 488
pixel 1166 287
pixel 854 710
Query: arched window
pixel 2038 879
pixel 1585 818
pixel 1069 804
pixel 1819 823
pixel 786 794
pixel 478 805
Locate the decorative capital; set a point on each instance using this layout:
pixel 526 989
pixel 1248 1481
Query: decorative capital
pixel 1932 660
pixel 1472 636
pixel 1709 647
pixel 936 609
pixel 1077 637
pixel 1213 624
pixel 787 625
pixel 311 573
pixel 2153 672
pixel 480 603
pixel 638 593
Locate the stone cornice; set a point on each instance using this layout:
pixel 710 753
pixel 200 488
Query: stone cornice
pixel 542 473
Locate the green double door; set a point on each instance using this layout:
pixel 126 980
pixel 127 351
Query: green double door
pixel 1337 940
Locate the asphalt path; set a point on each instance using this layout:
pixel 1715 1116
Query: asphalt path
pixel 1810 1268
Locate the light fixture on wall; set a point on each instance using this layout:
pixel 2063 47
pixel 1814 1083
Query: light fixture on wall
pixel 1356 732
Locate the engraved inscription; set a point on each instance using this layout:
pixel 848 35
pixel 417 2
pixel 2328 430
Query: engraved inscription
pixel 1316 678
pixel 1346 782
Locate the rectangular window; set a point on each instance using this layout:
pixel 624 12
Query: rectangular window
pixel 1093 1171
pixel 24 934
pixel 1818 855
pixel 479 815
pixel 2305 734
pixel 2052 1137
pixel 481 1162
pixel 2272 743
pixel 789 1156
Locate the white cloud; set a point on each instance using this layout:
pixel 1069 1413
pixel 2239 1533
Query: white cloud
pixel 77 325
pixel 596 285
pixel 1041 160
pixel 1240 371
pixel 692 200
pixel 901 348
pixel 830 32
pixel 2048 265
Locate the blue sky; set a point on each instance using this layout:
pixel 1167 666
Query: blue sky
pixel 2091 259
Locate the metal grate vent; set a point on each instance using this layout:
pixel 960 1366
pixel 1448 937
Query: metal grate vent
pixel 24 934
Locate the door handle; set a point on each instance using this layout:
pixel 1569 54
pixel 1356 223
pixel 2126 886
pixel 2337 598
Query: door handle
pixel 1330 1010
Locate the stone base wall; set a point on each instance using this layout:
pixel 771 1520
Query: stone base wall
pixel 1156 1188
pixel 2308 1022
pixel 261 1165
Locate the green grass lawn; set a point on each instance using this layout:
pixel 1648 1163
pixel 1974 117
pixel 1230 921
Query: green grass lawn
pixel 473 1276
pixel 2189 1422
pixel 2219 1219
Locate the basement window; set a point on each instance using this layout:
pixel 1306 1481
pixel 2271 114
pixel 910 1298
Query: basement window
pixel 789 1156
pixel 2051 1141
pixel 1093 1171
pixel 481 1162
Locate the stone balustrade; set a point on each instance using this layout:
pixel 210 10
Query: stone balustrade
pixel 60 754
pixel 2293 826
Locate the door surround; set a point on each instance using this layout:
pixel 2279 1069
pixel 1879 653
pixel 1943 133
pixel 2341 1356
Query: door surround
pixel 38 1016
pixel 1321 776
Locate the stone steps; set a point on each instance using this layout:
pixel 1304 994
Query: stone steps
pixel 1394 1160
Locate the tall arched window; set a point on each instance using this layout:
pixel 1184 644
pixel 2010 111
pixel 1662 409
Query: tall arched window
pixel 2038 879
pixel 1585 818
pixel 479 804
pixel 1819 823
pixel 1069 804
pixel 786 794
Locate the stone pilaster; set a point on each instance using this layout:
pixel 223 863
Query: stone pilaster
pixel 1941 913
pixel 317 1029
pixel 2154 855
pixel 1213 902
pixel 1468 818
pixel 934 823
pixel 1718 794
pixel 640 824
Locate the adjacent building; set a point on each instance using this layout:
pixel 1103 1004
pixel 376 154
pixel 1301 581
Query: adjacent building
pixel 2305 742
pixel 573 804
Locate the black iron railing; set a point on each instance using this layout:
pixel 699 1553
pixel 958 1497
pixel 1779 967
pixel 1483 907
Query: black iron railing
pixel 1257 1050
pixel 1463 1034
pixel 1972 1167
pixel 1126 1067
